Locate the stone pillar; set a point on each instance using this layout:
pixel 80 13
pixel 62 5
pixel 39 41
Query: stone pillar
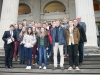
pixel 8 16
pixel 36 10
pixel 0 7
pixel 84 9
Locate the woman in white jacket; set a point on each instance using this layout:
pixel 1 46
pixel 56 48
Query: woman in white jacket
pixel 29 40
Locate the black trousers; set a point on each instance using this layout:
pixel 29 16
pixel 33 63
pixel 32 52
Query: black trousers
pixel 8 56
pixel 51 49
pixel 73 55
pixel 80 53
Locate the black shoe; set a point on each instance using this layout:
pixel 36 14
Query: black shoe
pixel 10 67
pixel 54 68
pixel 6 67
pixel 23 62
pixel 20 63
pixel 80 64
pixel 62 68
pixel 51 63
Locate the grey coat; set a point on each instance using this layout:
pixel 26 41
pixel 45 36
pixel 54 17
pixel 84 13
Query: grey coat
pixel 83 25
pixel 29 41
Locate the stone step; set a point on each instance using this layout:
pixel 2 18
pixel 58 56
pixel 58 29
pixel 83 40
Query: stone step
pixel 40 74
pixel 86 58
pixel 88 52
pixel 50 71
pixel 66 62
pixel 51 66
pixel 91 66
pixel 2 53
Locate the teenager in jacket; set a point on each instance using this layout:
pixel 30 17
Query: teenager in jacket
pixel 42 47
pixel 72 40
pixel 58 41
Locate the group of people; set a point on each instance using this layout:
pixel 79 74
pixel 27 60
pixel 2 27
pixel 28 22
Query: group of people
pixel 35 42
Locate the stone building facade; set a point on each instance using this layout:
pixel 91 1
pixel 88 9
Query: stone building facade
pixel 14 11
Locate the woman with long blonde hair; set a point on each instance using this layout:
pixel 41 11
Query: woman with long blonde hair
pixel 21 45
pixel 42 46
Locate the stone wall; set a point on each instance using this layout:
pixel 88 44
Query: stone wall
pixel 37 7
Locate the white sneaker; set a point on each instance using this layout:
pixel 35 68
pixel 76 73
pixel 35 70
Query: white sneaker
pixel 44 68
pixel 40 67
pixel 27 67
pixel 48 56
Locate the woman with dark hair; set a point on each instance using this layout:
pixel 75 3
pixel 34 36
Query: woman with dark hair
pixel 29 40
pixel 42 44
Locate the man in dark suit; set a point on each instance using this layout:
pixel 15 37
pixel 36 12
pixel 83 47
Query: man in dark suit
pixel 83 25
pixel 9 38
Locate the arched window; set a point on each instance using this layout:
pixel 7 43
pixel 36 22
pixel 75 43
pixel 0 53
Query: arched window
pixel 24 9
pixel 54 7
pixel 96 6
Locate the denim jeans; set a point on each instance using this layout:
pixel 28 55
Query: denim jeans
pixel 29 56
pixel 37 58
pixel 83 49
pixel 51 57
pixel 48 51
pixel 22 52
pixel 80 48
pixel 42 52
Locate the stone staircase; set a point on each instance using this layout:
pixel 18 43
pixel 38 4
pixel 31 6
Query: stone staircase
pixel 91 66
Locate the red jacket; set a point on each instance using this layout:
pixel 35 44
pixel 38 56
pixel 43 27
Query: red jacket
pixel 49 36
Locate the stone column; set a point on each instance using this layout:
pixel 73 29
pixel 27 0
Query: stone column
pixel 36 10
pixel 8 16
pixel 84 9
pixel 0 7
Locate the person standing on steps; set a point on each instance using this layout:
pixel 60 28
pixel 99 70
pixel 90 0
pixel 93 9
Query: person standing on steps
pixel 65 26
pixel 9 38
pixel 21 46
pixel 58 41
pixel 83 25
pixel 16 48
pixel 29 41
pixel 42 47
pixel 72 39
pixel 82 40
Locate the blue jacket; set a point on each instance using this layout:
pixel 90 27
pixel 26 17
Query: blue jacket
pixel 61 37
